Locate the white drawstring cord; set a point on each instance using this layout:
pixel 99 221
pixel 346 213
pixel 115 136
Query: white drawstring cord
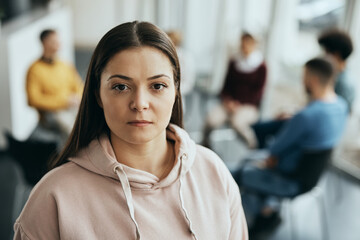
pixel 182 199
pixel 127 192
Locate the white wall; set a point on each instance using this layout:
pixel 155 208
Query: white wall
pixel 282 37
pixel 170 14
pixel 201 33
pixel 20 46
pixel 228 29
pixel 92 19
pixel 256 16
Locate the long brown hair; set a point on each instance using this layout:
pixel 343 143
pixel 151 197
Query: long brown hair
pixel 90 121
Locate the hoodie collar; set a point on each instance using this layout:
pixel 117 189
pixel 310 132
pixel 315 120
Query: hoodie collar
pixel 99 157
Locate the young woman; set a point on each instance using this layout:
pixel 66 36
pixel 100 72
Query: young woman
pixel 129 171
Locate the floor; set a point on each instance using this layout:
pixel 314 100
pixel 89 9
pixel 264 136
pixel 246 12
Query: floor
pixel 330 211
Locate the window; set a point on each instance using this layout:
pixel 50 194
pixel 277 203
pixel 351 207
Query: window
pixel 315 16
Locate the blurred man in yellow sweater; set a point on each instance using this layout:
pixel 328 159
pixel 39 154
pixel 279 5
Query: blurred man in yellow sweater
pixel 54 89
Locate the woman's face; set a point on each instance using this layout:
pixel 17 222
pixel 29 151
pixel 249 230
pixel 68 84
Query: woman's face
pixel 137 94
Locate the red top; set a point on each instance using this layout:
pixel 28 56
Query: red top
pixel 245 87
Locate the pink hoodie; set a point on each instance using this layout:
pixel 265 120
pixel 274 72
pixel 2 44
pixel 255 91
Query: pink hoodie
pixel 95 197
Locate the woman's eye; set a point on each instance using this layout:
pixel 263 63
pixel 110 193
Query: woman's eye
pixel 159 86
pixel 120 87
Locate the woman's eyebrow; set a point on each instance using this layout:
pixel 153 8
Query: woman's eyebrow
pixel 129 78
pixel 119 76
pixel 158 76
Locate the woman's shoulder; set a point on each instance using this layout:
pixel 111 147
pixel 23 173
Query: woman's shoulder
pixel 207 154
pixel 56 179
pixel 64 170
pixel 41 206
pixel 209 168
pixel 208 160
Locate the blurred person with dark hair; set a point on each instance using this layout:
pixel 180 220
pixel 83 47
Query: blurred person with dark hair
pixel 318 126
pixel 338 45
pixel 54 89
pixel 242 92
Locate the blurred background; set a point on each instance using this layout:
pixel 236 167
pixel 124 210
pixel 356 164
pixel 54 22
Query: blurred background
pixel 287 32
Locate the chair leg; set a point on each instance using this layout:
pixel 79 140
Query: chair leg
pixel 335 185
pixel 290 214
pixel 322 211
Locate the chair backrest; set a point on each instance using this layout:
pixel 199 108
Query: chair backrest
pixel 32 155
pixel 310 168
pixel 14 191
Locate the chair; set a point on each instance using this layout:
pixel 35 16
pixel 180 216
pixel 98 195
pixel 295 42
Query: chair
pixel 14 191
pixel 32 155
pixel 305 178
pixel 311 167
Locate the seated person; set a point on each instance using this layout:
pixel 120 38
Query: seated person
pixel 338 45
pixel 242 92
pixel 317 127
pixel 54 89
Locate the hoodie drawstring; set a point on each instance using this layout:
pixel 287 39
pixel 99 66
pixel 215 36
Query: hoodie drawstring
pixel 182 198
pixel 127 192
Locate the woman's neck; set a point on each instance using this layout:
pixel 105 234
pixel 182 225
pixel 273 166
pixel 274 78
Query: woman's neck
pixel 154 157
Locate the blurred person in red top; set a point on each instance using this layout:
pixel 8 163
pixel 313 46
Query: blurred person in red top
pixel 242 92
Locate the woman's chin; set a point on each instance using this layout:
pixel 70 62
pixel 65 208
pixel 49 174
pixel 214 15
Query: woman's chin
pixel 140 136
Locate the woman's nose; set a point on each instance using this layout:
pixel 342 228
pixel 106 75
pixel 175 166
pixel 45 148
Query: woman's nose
pixel 139 101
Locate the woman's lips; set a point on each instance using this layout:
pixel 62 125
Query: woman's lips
pixel 139 123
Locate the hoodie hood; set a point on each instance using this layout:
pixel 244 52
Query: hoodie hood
pixel 99 157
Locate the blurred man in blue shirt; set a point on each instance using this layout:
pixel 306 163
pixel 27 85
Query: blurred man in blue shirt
pixel 317 127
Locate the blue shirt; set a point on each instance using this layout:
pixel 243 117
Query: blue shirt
pixel 317 127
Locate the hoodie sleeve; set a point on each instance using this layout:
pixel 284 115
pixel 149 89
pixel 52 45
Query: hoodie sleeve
pixel 39 217
pixel 230 191
pixel 239 228
pixel 19 232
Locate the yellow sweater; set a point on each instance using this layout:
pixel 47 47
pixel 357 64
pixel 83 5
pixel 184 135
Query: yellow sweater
pixel 49 86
